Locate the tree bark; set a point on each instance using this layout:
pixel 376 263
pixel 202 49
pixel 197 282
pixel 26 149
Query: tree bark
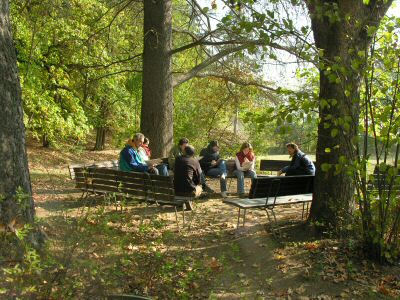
pixel 14 172
pixel 342 41
pixel 157 101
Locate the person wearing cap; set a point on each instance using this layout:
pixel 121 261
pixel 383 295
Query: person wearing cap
pixel 176 152
pixel 300 164
pixel 187 174
pixel 213 166
pixel 130 158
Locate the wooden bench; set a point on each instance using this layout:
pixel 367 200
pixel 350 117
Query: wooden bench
pixel 268 192
pixel 273 165
pixel 143 187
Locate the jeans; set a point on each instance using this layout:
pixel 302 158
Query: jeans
pixel 240 178
pixel 219 171
pixel 161 170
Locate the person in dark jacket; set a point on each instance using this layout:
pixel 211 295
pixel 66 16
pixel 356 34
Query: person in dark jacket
pixel 300 164
pixel 187 174
pixel 213 165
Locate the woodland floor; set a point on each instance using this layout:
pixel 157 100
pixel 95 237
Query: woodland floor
pixel 95 250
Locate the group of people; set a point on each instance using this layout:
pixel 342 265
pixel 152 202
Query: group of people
pixel 190 171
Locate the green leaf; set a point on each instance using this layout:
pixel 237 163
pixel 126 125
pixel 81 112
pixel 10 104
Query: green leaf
pixel 334 132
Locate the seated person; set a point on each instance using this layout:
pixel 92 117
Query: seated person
pixel 212 165
pixel 130 158
pixel 145 148
pixel 187 174
pixel 300 164
pixel 245 166
pixel 176 152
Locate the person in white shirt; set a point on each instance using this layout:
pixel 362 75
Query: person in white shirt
pixel 245 166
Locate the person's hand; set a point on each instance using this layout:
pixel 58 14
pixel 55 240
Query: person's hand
pixel 213 162
pixel 280 172
pixel 245 159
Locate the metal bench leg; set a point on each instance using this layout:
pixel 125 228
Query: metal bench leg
pixel 269 218
pixel 244 216
pixel 302 212
pixel 183 214
pixel 237 225
pixel 176 217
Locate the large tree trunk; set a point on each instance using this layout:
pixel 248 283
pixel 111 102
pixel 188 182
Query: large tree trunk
pixel 14 171
pixel 157 104
pixel 341 42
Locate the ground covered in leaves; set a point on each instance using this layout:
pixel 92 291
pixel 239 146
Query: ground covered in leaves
pixel 95 250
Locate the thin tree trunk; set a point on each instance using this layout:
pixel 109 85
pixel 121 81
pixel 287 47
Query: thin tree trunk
pixel 157 102
pixel 14 173
pixel 100 139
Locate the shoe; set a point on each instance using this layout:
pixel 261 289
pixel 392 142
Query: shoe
pixel 208 190
pixel 224 195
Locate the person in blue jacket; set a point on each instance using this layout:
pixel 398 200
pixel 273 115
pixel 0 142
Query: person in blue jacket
pixel 301 164
pixel 130 158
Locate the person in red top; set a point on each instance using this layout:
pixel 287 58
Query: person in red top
pixel 245 166
pixel 146 148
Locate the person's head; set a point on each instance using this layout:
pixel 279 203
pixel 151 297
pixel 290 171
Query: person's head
pixel 146 141
pixel 292 148
pixel 138 139
pixel 246 148
pixel 214 146
pixel 183 142
pixel 189 151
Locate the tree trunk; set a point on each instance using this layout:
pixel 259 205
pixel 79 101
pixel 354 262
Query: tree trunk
pixel 157 103
pixel 14 172
pixel 45 141
pixel 341 41
pixel 100 139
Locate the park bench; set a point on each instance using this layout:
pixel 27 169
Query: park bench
pixel 110 164
pixel 274 165
pixel 143 187
pixel 268 192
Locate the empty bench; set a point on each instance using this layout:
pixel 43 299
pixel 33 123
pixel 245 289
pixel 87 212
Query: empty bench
pixel 268 192
pixel 143 187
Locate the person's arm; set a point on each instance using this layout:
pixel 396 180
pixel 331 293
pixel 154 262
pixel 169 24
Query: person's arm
pixel 253 164
pixel 205 162
pixel 237 163
pixel 135 164
pixel 293 166
pixel 171 158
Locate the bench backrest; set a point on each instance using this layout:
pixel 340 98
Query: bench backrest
pixel 111 164
pixel 275 186
pixel 150 187
pixel 273 165
pixel 128 184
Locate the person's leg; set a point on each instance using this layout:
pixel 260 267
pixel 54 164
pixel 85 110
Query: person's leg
pixel 206 188
pixel 240 181
pixel 162 170
pixel 222 180
pixel 216 172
